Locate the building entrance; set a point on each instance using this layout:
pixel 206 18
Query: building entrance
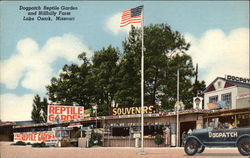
pixel 184 127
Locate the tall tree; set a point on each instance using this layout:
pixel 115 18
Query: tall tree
pixel 104 74
pixel 44 108
pixel 186 73
pixel 128 93
pixel 73 85
pixel 160 42
pixel 198 86
pixel 111 76
pixel 39 111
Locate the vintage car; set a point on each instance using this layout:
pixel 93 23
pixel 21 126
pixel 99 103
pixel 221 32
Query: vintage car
pixel 198 139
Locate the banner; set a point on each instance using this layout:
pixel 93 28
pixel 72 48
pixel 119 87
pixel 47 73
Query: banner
pixel 34 137
pixel 87 113
pixel 64 113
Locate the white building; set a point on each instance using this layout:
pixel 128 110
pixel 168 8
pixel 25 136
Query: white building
pixel 232 92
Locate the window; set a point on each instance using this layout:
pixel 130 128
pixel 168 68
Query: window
pixel 227 98
pixel 120 131
pixel 153 130
pixel 213 99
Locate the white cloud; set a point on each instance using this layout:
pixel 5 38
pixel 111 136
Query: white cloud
pixel 219 54
pixel 34 65
pixel 15 108
pixel 113 24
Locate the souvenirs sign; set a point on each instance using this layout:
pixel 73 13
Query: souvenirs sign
pixel 132 110
pixel 64 113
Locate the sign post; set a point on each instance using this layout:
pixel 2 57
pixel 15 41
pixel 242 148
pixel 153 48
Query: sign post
pixel 95 111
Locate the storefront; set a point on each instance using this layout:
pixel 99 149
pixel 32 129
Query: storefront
pixel 122 130
pixel 238 117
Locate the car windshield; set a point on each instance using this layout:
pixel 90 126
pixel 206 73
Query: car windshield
pixel 199 130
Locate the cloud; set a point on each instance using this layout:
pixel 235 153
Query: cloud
pixel 113 24
pixel 14 108
pixel 32 66
pixel 219 54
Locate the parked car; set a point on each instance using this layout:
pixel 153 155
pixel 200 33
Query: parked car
pixel 199 139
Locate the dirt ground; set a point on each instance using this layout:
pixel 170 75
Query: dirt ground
pixel 10 151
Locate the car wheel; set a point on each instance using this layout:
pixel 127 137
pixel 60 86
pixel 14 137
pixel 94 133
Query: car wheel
pixel 201 149
pixel 191 147
pixel 244 146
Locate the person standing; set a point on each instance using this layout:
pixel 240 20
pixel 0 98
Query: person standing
pixel 183 136
pixel 167 136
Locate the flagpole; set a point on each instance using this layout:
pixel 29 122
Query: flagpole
pixel 142 84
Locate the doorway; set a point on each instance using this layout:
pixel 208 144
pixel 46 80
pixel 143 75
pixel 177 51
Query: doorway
pixel 184 127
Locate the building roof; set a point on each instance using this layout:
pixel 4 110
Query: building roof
pixel 239 84
pixel 7 123
pixel 226 112
pixel 229 83
pixel 116 117
pixel 204 112
pixel 24 122
pixel 16 123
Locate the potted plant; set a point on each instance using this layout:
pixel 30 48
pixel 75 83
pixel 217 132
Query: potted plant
pixel 158 139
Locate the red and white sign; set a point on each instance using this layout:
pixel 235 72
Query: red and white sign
pixel 34 137
pixel 64 113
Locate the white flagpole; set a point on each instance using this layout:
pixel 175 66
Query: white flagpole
pixel 142 83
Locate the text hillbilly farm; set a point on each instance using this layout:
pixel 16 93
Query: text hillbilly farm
pixel 48 13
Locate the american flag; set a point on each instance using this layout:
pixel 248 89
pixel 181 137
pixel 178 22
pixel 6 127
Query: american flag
pixel 133 15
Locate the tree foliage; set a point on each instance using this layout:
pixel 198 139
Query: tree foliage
pixel 39 111
pixel 162 59
pixel 128 93
pixel 74 84
pixel 160 43
pixel 104 74
pixel 198 86
pixel 114 77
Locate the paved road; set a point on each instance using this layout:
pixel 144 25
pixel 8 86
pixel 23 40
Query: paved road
pixel 9 151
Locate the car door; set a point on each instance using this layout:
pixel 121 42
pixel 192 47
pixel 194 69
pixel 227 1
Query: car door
pixel 216 137
pixel 231 137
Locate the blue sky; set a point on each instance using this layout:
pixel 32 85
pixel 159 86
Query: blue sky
pixel 218 31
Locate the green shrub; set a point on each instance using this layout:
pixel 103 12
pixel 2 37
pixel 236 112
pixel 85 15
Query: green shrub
pixel 20 143
pixel 36 145
pixel 39 145
pixel 158 139
pixel 96 139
